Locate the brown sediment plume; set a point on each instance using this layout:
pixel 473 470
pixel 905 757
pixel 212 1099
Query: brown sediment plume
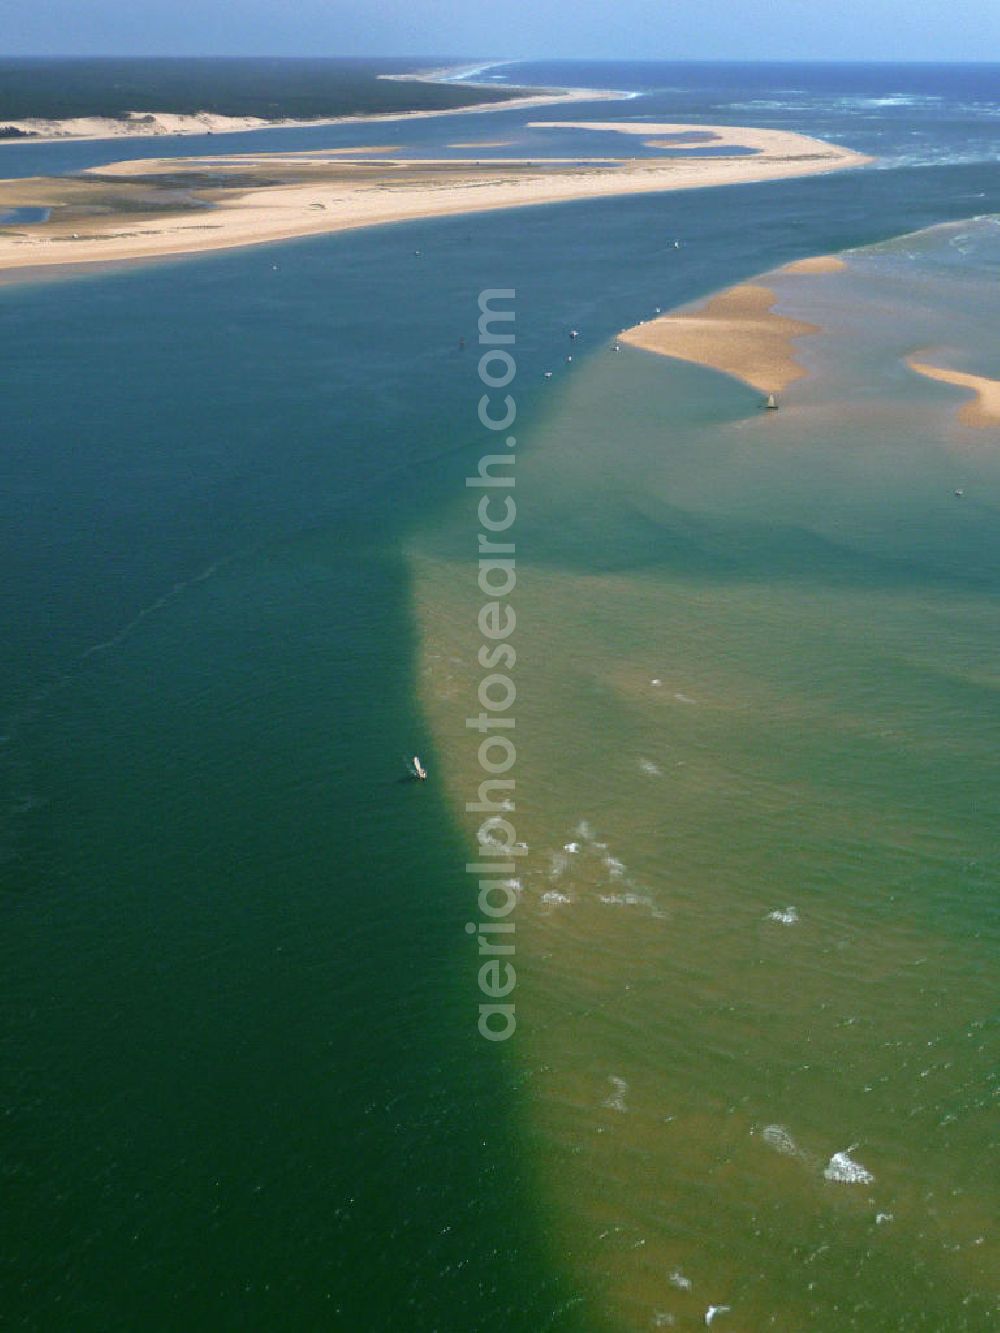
pixel 983 410
pixel 736 332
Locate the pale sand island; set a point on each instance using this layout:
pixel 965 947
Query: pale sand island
pixel 148 208
pixel 736 332
pixel 983 409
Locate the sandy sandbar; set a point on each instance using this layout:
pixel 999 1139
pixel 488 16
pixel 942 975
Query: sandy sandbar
pixel 736 332
pixel 816 264
pixel 983 409
pixel 799 147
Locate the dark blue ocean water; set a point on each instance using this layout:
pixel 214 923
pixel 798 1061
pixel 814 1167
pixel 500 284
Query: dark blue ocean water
pixel 245 1092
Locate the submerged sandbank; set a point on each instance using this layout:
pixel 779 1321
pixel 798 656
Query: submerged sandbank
pixel 248 199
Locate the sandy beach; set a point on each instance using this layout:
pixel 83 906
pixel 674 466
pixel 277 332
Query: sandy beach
pixel 983 409
pixel 156 124
pixel 736 332
pixel 153 207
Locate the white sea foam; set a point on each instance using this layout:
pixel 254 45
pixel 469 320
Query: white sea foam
pixel 615 1100
pixel 556 899
pixel 489 841
pixel 624 900
pixel 778 1138
pixel 571 847
pixel 788 916
pixel 846 1171
pixel 678 1280
pixel 463 73
pixel 846 105
pixel 649 767
pixel 616 868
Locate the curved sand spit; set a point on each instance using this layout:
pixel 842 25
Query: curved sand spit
pixel 276 197
pixel 154 124
pixel 983 410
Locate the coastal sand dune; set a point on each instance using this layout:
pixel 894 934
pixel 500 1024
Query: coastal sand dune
pixel 736 332
pixel 238 200
pixel 152 124
pixel 138 124
pixel 983 410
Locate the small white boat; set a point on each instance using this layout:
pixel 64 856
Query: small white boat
pixel 418 769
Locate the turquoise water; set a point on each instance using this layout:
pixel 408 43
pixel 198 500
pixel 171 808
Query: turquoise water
pixel 244 1088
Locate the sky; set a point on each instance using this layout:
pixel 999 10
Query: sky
pixel 582 29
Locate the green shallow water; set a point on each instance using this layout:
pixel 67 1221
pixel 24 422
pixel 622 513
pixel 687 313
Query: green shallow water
pixel 756 728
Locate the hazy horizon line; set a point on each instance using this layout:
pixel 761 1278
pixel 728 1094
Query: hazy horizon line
pixel 496 60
